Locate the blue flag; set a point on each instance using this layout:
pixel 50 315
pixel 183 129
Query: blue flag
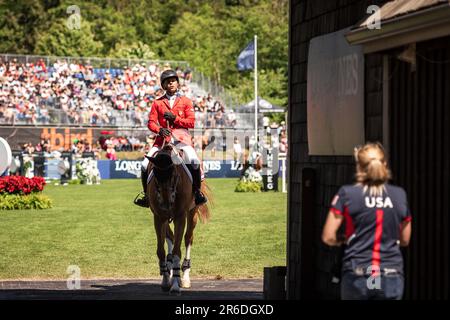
pixel 246 59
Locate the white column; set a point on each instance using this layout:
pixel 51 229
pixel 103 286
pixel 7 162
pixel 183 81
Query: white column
pixel 256 88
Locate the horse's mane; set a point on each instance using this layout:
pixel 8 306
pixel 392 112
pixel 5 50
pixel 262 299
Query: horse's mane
pixel 163 166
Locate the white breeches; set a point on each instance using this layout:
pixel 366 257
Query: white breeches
pixel 189 155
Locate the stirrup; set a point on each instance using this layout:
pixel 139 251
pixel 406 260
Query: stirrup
pixel 141 200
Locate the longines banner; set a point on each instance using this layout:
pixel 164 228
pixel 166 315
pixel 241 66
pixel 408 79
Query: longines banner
pixel 128 169
pixel 131 169
pixel 335 95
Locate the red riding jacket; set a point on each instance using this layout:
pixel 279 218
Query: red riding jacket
pixel 184 120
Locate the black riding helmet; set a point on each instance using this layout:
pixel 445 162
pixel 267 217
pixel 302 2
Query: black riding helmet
pixel 168 74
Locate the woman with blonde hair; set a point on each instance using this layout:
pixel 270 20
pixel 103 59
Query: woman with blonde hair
pixel 377 223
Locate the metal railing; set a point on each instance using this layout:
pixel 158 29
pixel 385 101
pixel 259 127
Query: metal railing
pixel 216 90
pixel 123 118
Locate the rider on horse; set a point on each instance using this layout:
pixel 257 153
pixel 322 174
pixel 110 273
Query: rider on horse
pixel 172 115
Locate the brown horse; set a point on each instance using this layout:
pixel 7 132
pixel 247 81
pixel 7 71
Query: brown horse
pixel 172 199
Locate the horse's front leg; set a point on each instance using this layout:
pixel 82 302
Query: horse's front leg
pixel 188 239
pixel 160 228
pixel 169 240
pixel 179 223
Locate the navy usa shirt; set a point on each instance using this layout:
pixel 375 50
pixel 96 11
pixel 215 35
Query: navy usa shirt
pixel 372 227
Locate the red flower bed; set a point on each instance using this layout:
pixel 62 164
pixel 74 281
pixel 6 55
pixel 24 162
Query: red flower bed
pixel 21 185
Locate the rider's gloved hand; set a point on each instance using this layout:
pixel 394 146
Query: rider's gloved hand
pixel 164 132
pixel 169 116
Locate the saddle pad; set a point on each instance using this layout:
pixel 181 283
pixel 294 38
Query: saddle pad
pixel 150 176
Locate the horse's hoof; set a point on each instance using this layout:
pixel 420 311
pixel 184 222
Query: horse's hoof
pixel 176 292
pixel 185 284
pixel 165 289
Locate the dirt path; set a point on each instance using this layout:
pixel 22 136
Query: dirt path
pixel 248 289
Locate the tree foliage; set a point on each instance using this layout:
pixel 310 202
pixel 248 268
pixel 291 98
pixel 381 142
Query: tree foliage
pixel 207 34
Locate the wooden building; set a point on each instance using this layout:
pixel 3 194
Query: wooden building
pixel 406 106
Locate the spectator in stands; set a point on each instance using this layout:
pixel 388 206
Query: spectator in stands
pixel 87 147
pixel 2 112
pixel 44 145
pixel 283 142
pixel 28 148
pixel 231 121
pixel 135 144
pixel 80 148
pixel 111 152
pixel 97 149
pixel 188 75
pixel 9 115
pixel 73 147
pixel 237 150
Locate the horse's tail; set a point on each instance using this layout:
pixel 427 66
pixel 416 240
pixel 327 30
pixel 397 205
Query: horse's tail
pixel 204 211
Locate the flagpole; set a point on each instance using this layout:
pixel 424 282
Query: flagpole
pixel 256 88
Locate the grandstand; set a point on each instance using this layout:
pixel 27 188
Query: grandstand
pixel 94 92
pixel 85 105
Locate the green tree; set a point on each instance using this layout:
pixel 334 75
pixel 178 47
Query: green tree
pixel 137 50
pixel 19 25
pixel 61 40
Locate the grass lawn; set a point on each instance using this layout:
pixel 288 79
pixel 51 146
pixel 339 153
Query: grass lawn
pixel 99 229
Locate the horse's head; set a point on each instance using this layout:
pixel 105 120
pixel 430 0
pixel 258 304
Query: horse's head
pixel 166 178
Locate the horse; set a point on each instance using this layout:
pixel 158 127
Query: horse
pixel 171 198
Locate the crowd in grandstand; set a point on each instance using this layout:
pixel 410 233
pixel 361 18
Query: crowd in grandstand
pixel 34 93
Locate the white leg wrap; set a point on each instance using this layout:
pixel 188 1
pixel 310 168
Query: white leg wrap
pixel 186 280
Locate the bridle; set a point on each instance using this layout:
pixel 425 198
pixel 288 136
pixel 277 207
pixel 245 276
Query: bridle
pixel 174 181
pixel 174 185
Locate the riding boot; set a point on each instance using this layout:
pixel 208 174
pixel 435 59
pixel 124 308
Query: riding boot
pixel 196 185
pixel 142 198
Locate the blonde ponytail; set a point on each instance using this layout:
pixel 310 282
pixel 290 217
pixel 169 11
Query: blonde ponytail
pixel 372 171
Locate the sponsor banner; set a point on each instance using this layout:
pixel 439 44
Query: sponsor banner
pixel 335 95
pixel 219 169
pixel 271 162
pixel 131 169
pixel 104 167
pixel 125 169
pixel 60 138
pixel 270 169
